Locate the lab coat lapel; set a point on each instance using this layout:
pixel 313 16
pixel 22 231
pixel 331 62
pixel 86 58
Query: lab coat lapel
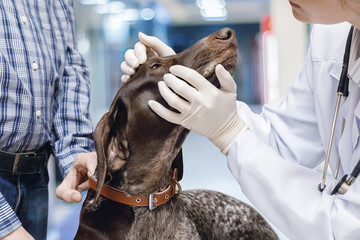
pixel 354 88
pixel 349 141
pixel 335 71
pixel 354 96
pixel 353 121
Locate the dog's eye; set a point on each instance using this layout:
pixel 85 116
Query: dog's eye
pixel 155 65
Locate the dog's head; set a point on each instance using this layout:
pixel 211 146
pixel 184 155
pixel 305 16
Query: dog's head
pixel 131 138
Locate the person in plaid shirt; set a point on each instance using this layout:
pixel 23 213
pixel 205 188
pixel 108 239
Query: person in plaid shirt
pixel 44 104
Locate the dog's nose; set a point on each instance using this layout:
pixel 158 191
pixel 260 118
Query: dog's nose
pixel 225 34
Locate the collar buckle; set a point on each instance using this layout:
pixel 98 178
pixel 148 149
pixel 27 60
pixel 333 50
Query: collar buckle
pixel 152 200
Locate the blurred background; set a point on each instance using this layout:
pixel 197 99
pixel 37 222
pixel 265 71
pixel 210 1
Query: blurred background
pixel 272 48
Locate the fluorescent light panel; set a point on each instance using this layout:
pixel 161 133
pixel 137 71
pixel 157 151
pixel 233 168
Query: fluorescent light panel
pixel 212 10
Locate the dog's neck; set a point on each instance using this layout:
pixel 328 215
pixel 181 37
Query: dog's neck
pixel 148 168
pixel 142 180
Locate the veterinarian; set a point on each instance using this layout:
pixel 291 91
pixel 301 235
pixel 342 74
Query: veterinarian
pixel 273 155
pixel 44 97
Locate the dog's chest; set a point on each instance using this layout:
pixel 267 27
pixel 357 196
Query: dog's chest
pixel 166 222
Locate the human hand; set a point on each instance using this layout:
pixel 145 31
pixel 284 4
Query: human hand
pixel 19 233
pixel 77 179
pixel 207 110
pixel 135 57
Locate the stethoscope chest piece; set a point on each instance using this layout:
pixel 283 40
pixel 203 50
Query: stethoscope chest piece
pixel 344 183
pixel 341 187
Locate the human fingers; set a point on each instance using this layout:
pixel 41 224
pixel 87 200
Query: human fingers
pixel 125 68
pixel 156 44
pixel 190 75
pixel 83 186
pixel 180 87
pixel 66 190
pixel 131 59
pixel 140 52
pixel 172 98
pixel 125 78
pixel 163 112
pixel 86 163
pixel 227 82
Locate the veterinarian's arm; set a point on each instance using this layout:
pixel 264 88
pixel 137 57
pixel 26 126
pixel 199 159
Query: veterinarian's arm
pixel 208 111
pixel 286 193
pixel 135 57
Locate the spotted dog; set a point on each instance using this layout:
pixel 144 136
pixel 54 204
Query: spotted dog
pixel 136 193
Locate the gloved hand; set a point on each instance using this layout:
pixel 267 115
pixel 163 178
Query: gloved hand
pixel 208 111
pixel 135 57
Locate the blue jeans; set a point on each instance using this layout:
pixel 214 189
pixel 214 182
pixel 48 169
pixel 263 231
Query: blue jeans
pixel 28 196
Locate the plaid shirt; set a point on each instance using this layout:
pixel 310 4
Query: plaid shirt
pixel 44 85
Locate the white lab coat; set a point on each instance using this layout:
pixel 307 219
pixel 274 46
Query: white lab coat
pixel 274 161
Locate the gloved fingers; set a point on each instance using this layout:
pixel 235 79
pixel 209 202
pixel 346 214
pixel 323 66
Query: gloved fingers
pixel 191 76
pixel 180 87
pixel 140 52
pixel 165 113
pixel 172 99
pixel 125 68
pixel 125 78
pixel 159 47
pixel 227 82
pixel 131 59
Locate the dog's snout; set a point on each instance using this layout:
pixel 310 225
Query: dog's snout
pixel 225 34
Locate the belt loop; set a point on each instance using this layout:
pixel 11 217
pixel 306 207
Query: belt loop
pixel 15 165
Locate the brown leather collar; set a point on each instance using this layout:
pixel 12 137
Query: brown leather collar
pixel 153 200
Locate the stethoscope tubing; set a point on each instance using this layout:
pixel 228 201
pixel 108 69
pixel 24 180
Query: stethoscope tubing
pixel 326 165
pixel 342 91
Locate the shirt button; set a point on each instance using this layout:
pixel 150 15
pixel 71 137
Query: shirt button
pixel 24 19
pixel 38 113
pixel 34 66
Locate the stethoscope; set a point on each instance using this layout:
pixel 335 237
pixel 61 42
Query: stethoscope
pixel 342 91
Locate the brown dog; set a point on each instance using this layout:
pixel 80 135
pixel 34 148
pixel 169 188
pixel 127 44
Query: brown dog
pixel 137 153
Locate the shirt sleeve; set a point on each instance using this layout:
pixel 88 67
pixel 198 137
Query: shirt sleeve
pixel 9 222
pixel 72 126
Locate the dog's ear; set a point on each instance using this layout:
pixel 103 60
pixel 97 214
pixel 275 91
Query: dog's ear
pixel 178 164
pixel 111 148
pixel 150 52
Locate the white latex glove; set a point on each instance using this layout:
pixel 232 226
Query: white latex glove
pixel 135 57
pixel 208 111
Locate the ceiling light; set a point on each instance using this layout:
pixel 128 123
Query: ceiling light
pixel 93 2
pixel 212 10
